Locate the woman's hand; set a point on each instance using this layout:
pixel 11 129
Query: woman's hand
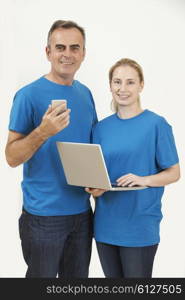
pixel 131 180
pixel 95 192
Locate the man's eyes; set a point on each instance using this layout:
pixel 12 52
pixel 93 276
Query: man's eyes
pixel 60 47
pixel 73 48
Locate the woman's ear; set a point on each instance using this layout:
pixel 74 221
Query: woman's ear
pixel 141 86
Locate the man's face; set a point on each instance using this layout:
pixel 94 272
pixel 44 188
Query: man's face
pixel 65 52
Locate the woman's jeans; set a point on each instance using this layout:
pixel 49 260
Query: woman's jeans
pixel 56 245
pixel 126 262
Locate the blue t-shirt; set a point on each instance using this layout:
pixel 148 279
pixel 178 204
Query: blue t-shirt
pixel 45 190
pixel 142 145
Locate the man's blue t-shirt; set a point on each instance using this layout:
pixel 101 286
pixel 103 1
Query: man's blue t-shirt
pixel 45 190
pixel 142 145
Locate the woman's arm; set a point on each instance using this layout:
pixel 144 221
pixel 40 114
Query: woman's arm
pixel 163 178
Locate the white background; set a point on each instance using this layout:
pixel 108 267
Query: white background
pixel 149 31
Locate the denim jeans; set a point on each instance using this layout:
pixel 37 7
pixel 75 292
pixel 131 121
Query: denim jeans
pixel 126 262
pixel 56 245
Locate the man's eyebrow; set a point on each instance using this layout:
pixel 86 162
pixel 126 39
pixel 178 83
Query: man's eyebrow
pixel 59 45
pixel 73 45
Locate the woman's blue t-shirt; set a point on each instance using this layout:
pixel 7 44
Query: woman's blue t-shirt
pixel 142 145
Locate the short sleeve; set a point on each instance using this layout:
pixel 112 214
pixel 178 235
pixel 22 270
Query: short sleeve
pixel 166 152
pixel 95 118
pixel 21 115
pixel 95 135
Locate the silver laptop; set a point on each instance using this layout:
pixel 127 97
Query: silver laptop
pixel 84 166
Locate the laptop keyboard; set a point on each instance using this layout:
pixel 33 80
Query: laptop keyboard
pixel 114 184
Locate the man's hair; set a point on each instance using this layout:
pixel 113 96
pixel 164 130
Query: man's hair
pixel 66 25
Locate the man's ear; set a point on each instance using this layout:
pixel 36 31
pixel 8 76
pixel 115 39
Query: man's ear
pixel 48 51
pixel 84 53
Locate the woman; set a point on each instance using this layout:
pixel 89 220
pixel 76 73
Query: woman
pixel 139 149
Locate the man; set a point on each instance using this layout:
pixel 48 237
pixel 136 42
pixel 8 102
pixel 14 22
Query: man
pixel 56 223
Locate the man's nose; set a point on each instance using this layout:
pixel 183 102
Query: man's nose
pixel 66 52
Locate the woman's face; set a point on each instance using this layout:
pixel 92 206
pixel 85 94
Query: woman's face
pixel 126 86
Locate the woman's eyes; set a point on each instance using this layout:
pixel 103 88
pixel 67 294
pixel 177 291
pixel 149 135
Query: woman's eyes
pixel 119 82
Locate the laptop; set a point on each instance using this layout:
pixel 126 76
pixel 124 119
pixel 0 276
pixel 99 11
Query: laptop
pixel 84 165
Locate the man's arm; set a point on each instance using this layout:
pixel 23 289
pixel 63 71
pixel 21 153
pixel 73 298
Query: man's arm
pixel 21 148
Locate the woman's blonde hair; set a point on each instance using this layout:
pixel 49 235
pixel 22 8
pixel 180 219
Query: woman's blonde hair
pixel 125 62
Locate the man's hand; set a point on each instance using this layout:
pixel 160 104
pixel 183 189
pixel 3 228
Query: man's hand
pixel 95 192
pixel 53 121
pixel 20 148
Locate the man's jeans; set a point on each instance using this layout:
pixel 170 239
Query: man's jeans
pixel 126 262
pixel 56 245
